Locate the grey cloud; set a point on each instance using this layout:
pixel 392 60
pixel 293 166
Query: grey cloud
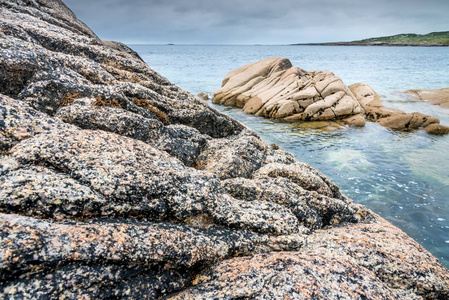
pixel 257 21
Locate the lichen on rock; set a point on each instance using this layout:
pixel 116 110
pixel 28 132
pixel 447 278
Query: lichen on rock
pixel 115 183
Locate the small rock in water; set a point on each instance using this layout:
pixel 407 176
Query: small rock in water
pixel 437 129
pixel 203 96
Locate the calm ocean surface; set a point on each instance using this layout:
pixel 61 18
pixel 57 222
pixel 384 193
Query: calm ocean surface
pixel 402 176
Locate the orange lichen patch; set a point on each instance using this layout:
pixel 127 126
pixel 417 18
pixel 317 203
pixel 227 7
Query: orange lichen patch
pixel 161 115
pixel 69 98
pixel 124 75
pixel 100 102
pixel 196 164
pixel 118 65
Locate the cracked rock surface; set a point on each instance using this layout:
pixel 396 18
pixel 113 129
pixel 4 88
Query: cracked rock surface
pixel 273 88
pixel 392 117
pixel 115 183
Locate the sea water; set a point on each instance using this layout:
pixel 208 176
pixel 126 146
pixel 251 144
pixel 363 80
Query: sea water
pixel 402 176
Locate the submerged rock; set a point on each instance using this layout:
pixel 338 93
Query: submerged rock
pixel 115 183
pixel 435 96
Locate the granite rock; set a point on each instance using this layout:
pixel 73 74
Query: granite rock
pixel 115 183
pixel 203 96
pixel 434 96
pixel 394 118
pixel 274 88
pixel 19 121
pixel 113 257
pixel 343 265
pixel 437 129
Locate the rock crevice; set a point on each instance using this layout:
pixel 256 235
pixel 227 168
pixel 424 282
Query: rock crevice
pixel 273 88
pixel 115 183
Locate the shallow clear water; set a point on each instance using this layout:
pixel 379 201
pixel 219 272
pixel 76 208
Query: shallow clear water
pixel 402 176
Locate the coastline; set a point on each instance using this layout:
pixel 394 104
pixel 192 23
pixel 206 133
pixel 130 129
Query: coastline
pixel 370 44
pixel 406 185
pixel 118 183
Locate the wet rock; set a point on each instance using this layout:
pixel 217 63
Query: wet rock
pixel 371 103
pixel 391 117
pixel 274 88
pixel 437 129
pixel 355 121
pixel 203 96
pixel 405 122
pixel 436 96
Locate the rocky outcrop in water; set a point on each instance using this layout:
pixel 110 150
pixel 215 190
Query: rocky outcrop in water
pixel 435 96
pixel 115 183
pixel 273 88
pixel 391 117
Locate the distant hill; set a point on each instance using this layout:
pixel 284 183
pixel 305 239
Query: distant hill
pixel 405 39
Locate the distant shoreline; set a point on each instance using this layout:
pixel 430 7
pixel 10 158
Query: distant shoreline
pixel 433 39
pixel 370 44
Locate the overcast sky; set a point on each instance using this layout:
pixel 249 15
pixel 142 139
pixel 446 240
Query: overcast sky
pixel 257 21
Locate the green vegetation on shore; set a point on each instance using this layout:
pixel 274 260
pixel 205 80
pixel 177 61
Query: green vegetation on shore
pixel 405 39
